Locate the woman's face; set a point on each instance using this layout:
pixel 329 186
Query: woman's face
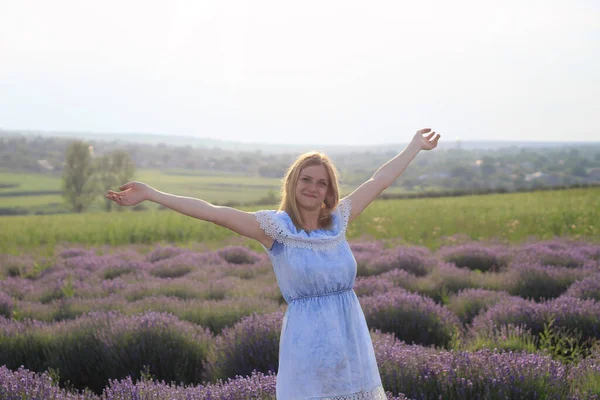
pixel 312 187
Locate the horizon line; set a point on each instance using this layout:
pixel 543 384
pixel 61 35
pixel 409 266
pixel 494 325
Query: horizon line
pixel 182 136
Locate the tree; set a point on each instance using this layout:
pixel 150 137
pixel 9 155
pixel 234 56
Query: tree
pixel 462 171
pixel 488 168
pixel 579 170
pixel 105 178
pixel 112 170
pixel 123 165
pixel 78 186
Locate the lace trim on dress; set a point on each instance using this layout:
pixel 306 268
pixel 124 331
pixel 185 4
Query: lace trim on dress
pixel 374 394
pixel 275 228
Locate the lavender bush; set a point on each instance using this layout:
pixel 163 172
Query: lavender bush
pixel 539 282
pixel 6 305
pixel 411 317
pixel 17 288
pixel 575 315
pixel 239 255
pixel 170 268
pixel 252 343
pixel 585 377
pixel 24 343
pixel 425 373
pixel 588 288
pixel 170 349
pixel 444 280
pixel 211 314
pixel 514 311
pixel 475 256
pixel 76 252
pixel 558 253
pixel 164 252
pixel 416 260
pixel 181 288
pixel 401 278
pixel 255 386
pixel 468 303
pixel 23 384
pixel 25 266
pixel 368 286
pixel 94 348
pixel 66 309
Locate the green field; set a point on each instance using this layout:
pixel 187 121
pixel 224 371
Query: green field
pixel 40 191
pixel 511 218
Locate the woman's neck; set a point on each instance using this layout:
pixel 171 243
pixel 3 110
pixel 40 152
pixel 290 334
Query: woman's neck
pixel 310 218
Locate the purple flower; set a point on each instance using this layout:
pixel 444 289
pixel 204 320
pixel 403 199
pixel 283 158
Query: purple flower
pixel 411 317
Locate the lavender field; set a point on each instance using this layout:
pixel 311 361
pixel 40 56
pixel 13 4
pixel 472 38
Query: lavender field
pixel 466 321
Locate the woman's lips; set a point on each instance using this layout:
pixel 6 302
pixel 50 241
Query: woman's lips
pixel 308 195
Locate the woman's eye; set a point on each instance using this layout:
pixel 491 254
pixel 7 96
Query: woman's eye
pixel 322 184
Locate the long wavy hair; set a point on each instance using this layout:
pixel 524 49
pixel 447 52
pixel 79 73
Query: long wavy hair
pixel 290 181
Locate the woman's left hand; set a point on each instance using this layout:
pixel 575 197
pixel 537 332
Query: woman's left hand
pixel 428 142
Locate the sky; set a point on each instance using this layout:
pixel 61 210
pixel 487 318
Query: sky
pixel 328 72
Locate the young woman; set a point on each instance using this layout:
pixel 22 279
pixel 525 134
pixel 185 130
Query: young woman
pixel 325 349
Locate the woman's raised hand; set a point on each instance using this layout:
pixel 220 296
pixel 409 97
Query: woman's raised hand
pixel 428 142
pixel 132 193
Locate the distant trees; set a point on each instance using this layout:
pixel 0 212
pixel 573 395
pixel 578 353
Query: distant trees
pixel 488 168
pixel 86 177
pixel 112 170
pixel 447 168
pixel 78 189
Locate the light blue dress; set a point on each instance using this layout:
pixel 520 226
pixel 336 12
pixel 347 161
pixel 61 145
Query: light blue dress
pixel 325 349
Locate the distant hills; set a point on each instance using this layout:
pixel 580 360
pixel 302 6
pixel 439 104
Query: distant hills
pixel 203 142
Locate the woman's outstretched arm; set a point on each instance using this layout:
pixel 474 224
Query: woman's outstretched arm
pixel 390 171
pixel 241 222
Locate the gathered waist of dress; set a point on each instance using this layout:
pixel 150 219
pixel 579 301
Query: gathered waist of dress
pixel 321 295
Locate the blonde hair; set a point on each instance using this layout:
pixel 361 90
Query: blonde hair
pixel 290 181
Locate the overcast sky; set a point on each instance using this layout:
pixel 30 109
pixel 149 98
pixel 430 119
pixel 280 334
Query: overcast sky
pixel 330 72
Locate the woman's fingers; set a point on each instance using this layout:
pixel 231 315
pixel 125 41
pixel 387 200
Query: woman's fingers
pixel 116 197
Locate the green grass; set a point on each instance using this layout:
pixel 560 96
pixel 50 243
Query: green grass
pixel 508 217
pixel 208 187
pixel 40 189
pixel 29 182
pixel 30 201
pixel 217 189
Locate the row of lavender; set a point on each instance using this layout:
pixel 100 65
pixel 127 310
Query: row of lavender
pixel 133 283
pixel 407 371
pixel 96 347
pixel 83 281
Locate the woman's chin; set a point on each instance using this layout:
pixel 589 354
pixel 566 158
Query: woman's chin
pixel 309 205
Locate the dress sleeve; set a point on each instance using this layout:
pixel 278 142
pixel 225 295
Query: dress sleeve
pixel 271 224
pixel 279 226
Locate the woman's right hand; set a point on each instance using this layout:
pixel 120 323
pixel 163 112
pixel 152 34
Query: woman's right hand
pixel 132 193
